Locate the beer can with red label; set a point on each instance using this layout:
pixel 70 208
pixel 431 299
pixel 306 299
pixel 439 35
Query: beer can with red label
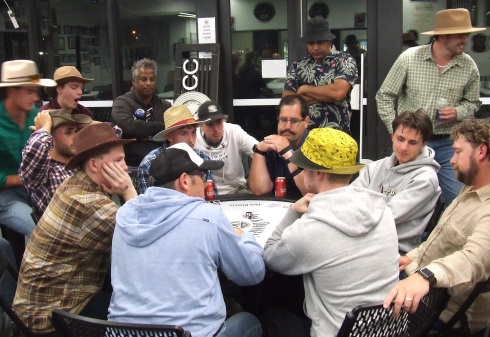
pixel 280 187
pixel 209 190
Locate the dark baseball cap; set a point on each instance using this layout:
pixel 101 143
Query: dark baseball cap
pixel 177 159
pixel 209 111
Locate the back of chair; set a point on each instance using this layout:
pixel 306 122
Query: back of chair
pixel 428 311
pixel 434 219
pixel 71 325
pixel 371 321
pixel 20 326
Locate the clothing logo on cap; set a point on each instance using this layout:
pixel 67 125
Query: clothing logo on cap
pixel 212 108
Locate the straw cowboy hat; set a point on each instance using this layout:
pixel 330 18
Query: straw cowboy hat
pixel 174 118
pixel 453 21
pixel 90 140
pixel 64 75
pixel 328 150
pixel 61 116
pixel 19 73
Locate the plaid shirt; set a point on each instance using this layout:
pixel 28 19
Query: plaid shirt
pixel 66 259
pixel 414 80
pixel 143 178
pixel 307 71
pixel 40 174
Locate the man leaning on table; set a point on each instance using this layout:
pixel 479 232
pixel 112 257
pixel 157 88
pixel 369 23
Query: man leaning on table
pixel 455 256
pixel 341 238
pixel 171 244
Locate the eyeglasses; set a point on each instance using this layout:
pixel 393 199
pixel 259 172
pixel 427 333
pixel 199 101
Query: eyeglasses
pixel 203 174
pixel 293 121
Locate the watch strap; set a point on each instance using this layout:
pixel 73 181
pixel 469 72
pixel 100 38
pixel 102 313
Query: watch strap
pixel 256 150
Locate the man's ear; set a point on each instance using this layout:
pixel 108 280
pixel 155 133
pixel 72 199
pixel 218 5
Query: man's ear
pixel 482 152
pixel 182 184
pixel 92 165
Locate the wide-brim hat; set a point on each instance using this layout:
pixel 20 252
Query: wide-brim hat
pixel 91 139
pixel 176 117
pixel 18 73
pixel 64 75
pixel 328 150
pixel 210 111
pixel 62 116
pixel 453 21
pixel 177 159
pixel 316 29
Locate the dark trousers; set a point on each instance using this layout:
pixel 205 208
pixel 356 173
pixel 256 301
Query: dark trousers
pixel 279 322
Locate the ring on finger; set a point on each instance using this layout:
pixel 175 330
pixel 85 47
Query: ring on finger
pixel 408 299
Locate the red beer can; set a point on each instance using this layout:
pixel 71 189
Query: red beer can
pixel 280 187
pixel 209 190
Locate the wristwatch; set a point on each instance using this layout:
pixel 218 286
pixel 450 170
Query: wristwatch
pixel 256 150
pixel 428 275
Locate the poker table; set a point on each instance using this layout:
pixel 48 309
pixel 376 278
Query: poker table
pixel 255 214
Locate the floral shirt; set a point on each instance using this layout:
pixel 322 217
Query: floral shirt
pixel 307 71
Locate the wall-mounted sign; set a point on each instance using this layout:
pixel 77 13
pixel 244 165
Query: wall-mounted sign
pixel 264 11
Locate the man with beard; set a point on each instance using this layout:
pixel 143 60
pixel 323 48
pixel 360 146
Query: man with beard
pixel 271 156
pixel 455 256
pixel 139 112
pixel 68 91
pixel 46 153
pixel 440 79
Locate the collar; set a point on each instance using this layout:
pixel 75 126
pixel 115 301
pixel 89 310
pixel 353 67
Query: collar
pixel 427 55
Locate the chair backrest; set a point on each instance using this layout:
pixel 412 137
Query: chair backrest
pixel 460 315
pixel 434 219
pixel 367 321
pixel 5 267
pixel 71 325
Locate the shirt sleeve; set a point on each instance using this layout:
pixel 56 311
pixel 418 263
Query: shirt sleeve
pixel 293 82
pixel 390 89
pixel 144 173
pixel 246 141
pixel 34 168
pixel 470 102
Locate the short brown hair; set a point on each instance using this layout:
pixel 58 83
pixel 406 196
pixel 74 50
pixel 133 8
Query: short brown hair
pixel 417 120
pixel 476 131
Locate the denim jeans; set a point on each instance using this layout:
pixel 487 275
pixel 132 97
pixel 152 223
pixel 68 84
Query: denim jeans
pixel 242 324
pixel 15 210
pixel 450 186
pixel 7 282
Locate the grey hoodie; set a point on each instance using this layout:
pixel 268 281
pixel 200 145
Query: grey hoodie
pixel 412 190
pixel 345 247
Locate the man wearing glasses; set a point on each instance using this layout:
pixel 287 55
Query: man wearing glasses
pixel 271 156
pixel 183 241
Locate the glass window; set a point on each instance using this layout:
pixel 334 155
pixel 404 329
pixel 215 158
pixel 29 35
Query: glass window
pixel 14 41
pixel 153 29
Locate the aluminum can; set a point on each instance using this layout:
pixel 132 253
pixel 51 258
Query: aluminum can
pixel 280 187
pixel 209 190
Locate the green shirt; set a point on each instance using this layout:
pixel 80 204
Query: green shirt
pixel 12 141
pixel 414 80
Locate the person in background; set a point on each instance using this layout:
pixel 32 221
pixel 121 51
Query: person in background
pixel 180 127
pixel 324 78
pixel 355 50
pixel 226 142
pixel 68 91
pixel 47 151
pixel 194 240
pixel 66 259
pixel 440 79
pixel 271 158
pixel 139 112
pixel 19 86
pixel 341 238
pixel 408 177
pixel 455 255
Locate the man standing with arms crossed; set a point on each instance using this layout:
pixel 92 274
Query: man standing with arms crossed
pixel 424 75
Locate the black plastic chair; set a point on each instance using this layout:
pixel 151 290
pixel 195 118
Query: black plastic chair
pixel 434 219
pixel 20 328
pixel 460 315
pixel 71 325
pixel 375 321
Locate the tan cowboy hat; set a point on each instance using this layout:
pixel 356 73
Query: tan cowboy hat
pixel 328 150
pixel 62 116
pixel 174 118
pixel 64 75
pixel 19 73
pixel 453 21
pixel 91 139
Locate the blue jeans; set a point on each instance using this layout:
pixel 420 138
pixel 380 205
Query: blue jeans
pixel 7 282
pixel 15 210
pixel 242 324
pixel 450 186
